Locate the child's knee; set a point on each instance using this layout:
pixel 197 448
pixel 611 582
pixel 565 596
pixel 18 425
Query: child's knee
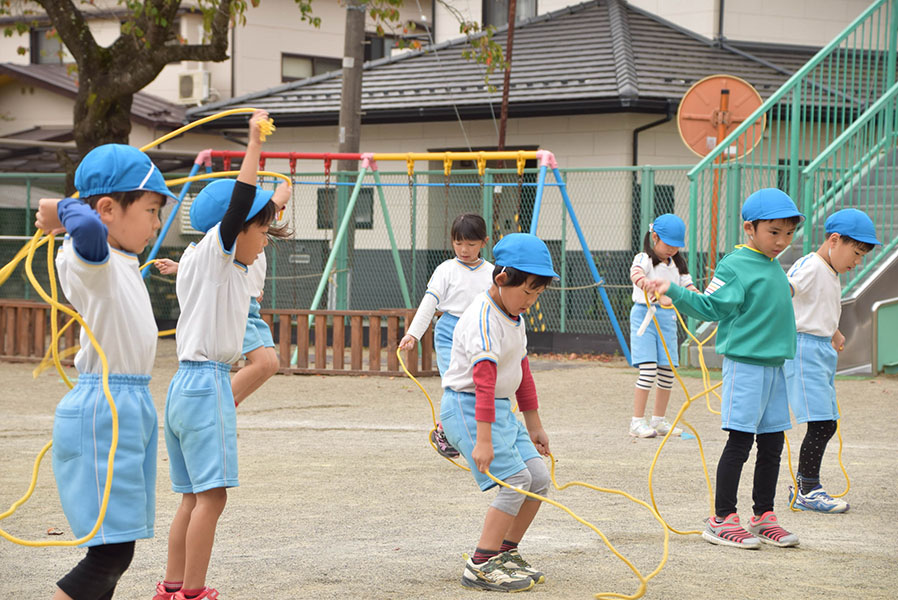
pixel 213 500
pixel 272 362
pixel 509 501
pixel 539 476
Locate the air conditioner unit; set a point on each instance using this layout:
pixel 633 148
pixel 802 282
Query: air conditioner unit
pixel 184 216
pixel 193 87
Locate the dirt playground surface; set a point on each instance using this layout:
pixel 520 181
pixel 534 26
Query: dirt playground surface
pixel 341 496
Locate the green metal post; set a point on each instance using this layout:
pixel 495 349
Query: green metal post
pixel 693 233
pixel 809 221
pixel 734 218
pixel 414 201
pixel 397 262
pixel 342 250
pixel 338 240
pixel 28 224
pixel 564 262
pixel 274 278
pixel 646 194
pixel 488 213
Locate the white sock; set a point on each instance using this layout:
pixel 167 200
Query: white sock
pixel 636 420
pixel 656 419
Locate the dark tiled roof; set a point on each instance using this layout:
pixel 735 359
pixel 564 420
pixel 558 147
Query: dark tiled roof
pixel 599 56
pixel 145 108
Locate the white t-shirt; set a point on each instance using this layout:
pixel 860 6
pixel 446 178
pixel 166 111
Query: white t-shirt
pixel 816 295
pixel 486 332
pixel 668 271
pixel 113 300
pixel 453 285
pixel 213 292
pixel 255 275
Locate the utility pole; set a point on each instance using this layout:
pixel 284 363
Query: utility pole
pixel 349 138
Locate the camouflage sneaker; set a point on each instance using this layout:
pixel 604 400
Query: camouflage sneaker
pixel 516 563
pixel 493 576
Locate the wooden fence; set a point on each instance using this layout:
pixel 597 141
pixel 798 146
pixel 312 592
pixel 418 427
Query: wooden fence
pixel 348 342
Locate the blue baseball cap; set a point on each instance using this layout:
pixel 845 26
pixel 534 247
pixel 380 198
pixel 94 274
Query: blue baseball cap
pixel 853 223
pixel 768 204
pixel 524 252
pixel 211 204
pixel 671 229
pixel 112 168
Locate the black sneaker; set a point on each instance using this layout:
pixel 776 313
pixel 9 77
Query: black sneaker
pixel 438 439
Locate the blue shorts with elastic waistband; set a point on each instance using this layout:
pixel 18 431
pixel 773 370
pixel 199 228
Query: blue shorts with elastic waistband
pixel 811 379
pixel 647 348
pixel 201 428
pixel 512 446
pixel 753 398
pixel 442 340
pixel 82 435
pixel 258 334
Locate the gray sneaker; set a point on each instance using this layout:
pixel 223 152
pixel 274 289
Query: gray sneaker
pixel 516 563
pixel 494 576
pixel 769 531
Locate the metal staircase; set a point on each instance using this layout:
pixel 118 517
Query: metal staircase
pixel 831 142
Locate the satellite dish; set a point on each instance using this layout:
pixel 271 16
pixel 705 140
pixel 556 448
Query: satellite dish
pixel 715 106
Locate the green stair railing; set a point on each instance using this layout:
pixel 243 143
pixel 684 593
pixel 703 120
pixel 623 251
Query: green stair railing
pixel 858 170
pixel 803 118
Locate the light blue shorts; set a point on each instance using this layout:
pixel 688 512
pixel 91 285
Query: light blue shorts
pixel 512 446
pixel 442 340
pixel 258 334
pixel 753 398
pixel 811 379
pixel 82 434
pixel 201 428
pixel 647 348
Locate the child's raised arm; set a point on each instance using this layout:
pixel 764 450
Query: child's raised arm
pixel 245 188
pixel 83 224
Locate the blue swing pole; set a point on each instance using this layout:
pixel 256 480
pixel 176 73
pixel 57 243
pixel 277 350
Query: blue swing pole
pixel 589 261
pixel 537 203
pixel 174 213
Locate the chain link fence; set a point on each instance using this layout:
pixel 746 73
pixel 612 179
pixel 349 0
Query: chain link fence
pixel 405 220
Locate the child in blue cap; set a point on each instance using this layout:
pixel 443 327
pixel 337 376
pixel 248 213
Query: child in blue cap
pixel 749 296
pixel 810 376
pixel 122 193
pixel 660 259
pixel 487 366
pixel 200 418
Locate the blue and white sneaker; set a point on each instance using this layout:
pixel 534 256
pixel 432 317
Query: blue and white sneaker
pixel 818 500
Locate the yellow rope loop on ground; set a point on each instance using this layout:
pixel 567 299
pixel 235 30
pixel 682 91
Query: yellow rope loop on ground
pixel 643 579
pixel 689 399
pixel 114 413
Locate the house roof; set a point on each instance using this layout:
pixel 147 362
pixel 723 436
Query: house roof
pixel 146 109
pixel 598 56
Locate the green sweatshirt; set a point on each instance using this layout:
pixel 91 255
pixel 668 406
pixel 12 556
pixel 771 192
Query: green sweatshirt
pixel 749 297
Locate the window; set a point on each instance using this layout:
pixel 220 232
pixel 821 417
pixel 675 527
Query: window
pixel 46 48
pixel 364 208
pixel 495 12
pixel 377 46
pixel 294 66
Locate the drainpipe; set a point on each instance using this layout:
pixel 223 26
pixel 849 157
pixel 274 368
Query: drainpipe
pixel 720 35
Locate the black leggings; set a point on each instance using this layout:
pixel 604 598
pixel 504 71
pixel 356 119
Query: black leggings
pixel 767 469
pixel 812 449
pixel 95 577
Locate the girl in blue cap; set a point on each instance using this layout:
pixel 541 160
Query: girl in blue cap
pixel 122 193
pixel 810 376
pixel 452 286
pixel 487 366
pixel 200 418
pixel 660 259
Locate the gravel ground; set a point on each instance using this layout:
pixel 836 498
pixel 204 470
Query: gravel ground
pixel 341 496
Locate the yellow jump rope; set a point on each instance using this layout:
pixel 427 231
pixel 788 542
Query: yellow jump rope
pixel 27 253
pixel 706 392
